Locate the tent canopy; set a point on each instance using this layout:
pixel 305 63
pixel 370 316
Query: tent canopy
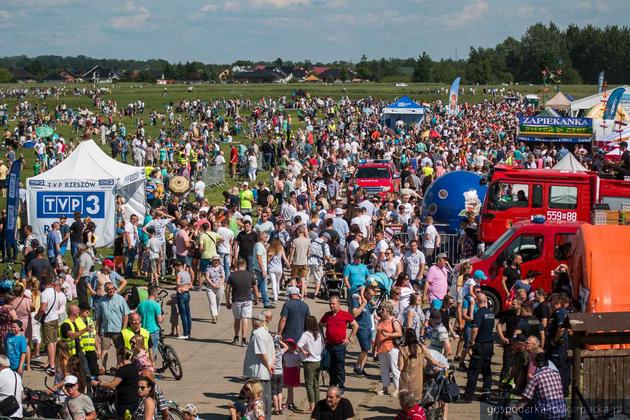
pixel 590 101
pixel 559 102
pixel 404 105
pixel 549 112
pixel 88 182
pixel 89 162
pixel 570 163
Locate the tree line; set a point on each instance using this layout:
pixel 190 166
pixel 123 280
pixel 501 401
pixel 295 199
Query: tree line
pixel 544 54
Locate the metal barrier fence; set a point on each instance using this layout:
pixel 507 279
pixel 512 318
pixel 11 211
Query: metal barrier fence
pixel 450 246
pixel 214 176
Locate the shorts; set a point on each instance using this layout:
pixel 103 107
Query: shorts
pixel 276 384
pixel 119 260
pixel 299 271
pixel 316 272
pixel 109 339
pixel 204 264
pixel 3 183
pixel 364 337
pixel 187 260
pixel 242 310
pixel 50 332
pixel 155 265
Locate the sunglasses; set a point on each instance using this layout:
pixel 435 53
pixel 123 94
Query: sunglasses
pixel 142 388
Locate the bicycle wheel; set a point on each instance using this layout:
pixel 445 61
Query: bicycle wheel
pixel 172 361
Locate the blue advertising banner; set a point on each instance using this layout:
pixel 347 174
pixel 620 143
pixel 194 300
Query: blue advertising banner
pixel 52 205
pixel 555 129
pixel 613 103
pixel 13 202
pixel 453 97
pixel 600 82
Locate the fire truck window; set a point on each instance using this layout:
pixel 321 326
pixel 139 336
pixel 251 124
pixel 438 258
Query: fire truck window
pixel 529 247
pixel 562 246
pixel 511 195
pixel 537 196
pixel 562 197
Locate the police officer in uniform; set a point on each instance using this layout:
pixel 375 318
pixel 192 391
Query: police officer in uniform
pixel 528 324
pixel 135 328
pixel 509 319
pixel 557 343
pixel 482 342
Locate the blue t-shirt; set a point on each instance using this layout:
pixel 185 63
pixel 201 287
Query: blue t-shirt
pixel 365 318
pixel 53 239
pixel 149 310
pixel 466 305
pixel 357 275
pixel 295 312
pixel 15 346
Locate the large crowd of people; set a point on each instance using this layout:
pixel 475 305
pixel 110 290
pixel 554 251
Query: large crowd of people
pixel 287 229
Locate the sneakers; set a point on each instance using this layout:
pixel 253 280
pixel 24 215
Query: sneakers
pixel 235 339
pixel 243 342
pixel 293 408
pixel 380 392
pixel 50 371
pixel 182 337
pixel 358 371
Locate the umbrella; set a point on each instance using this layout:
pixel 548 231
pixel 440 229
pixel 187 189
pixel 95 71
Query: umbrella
pixel 434 134
pixel 179 184
pixel 44 131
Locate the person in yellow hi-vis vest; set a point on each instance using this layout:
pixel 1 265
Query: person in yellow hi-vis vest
pixel 135 328
pixel 80 336
pixel 89 344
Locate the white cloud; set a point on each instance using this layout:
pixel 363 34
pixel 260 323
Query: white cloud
pixel 132 17
pixel 468 14
pixel 279 3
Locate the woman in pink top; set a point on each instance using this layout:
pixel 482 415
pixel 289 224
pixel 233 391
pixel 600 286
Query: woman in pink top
pixel 24 307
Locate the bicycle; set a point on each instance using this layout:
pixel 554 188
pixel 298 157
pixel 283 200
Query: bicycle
pixel 169 359
pixel 40 404
pixel 437 393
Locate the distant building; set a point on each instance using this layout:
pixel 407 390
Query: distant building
pixel 337 74
pixel 22 76
pixel 258 76
pixel 98 74
pixel 54 78
pixel 163 81
pixel 69 76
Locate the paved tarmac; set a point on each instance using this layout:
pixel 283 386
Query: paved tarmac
pixel 213 368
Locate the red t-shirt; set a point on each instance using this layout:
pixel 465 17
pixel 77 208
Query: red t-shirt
pixel 336 326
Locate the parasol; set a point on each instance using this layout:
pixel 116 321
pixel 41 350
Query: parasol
pixel 44 131
pixel 179 184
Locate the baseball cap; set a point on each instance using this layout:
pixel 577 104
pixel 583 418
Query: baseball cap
pixel 326 235
pixel 293 291
pixel 190 409
pixel 71 380
pixel 442 255
pixel 247 218
pixel 216 257
pixel 338 211
pixel 480 275
pixel 108 263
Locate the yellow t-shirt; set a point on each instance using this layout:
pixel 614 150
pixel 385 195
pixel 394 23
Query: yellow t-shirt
pixel 208 241
pixel 427 171
pixel 247 197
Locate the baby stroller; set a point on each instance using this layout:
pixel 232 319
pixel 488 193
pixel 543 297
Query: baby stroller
pixel 383 285
pixel 332 282
pixel 440 388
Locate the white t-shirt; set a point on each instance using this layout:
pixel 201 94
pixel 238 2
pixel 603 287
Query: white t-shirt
pixel 389 267
pixel 49 297
pixel 429 238
pixel 362 223
pixel 133 233
pixel 60 306
pixel 154 248
pixel 313 347
pixel 8 380
pixel 381 246
pixel 226 234
pixel 200 188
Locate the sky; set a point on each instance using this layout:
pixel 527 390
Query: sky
pixel 223 31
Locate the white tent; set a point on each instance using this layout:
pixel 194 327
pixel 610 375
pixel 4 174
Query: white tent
pixel 593 100
pixel 405 110
pixel 88 181
pixel 570 163
pixel 559 102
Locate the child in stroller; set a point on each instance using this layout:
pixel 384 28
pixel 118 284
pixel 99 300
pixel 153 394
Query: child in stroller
pixel 332 283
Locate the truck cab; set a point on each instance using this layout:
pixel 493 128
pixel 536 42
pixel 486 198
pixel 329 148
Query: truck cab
pixel 518 194
pixel 542 245
pixel 375 177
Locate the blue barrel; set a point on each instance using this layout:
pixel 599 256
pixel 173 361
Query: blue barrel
pixel 445 201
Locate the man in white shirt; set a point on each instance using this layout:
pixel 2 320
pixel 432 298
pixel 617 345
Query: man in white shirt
pixel 199 188
pixel 381 247
pixel 131 242
pixel 50 324
pixel 363 221
pixel 259 359
pixel 225 246
pixel 431 240
pixel 10 385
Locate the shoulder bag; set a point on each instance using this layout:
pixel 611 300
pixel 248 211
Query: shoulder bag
pixel 10 404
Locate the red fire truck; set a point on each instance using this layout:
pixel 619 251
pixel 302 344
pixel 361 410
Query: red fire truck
pixel 517 194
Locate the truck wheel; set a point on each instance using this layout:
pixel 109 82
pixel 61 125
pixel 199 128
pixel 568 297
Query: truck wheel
pixel 494 303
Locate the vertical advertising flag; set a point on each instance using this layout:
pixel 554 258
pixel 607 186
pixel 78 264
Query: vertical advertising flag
pixel 452 97
pixel 600 82
pixel 13 201
pixel 613 103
